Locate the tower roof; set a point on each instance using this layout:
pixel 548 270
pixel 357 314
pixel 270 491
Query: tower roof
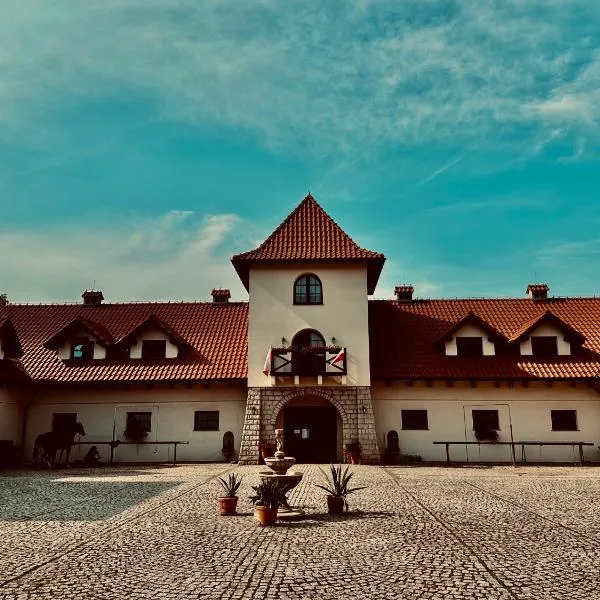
pixel 309 235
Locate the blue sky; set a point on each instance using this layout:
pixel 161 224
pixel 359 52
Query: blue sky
pixel 144 143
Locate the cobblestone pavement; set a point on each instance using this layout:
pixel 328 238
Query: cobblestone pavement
pixel 153 532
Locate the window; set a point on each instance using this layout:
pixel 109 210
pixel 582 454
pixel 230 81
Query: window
pixel 82 349
pixel 154 349
pixel 544 346
pixel 64 422
pixel 206 420
pixel 308 290
pixel 414 419
pixel 307 356
pixel 139 421
pixel 469 346
pixel 485 420
pixel 564 420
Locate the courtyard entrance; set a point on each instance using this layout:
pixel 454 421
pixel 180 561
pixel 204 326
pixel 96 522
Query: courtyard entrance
pixel 310 433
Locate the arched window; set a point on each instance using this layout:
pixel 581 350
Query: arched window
pixel 308 354
pixel 308 290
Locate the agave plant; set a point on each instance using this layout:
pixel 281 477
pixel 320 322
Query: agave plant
pixel 337 483
pixel 268 493
pixel 231 485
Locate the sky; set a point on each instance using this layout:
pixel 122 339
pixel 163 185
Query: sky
pixel 142 144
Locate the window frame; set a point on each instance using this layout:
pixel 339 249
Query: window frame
pixel 130 414
pixel 413 413
pixel 148 344
pixel 87 352
pixel 564 410
pixel 542 352
pixel 465 340
pixel 479 412
pixel 207 412
pixel 307 292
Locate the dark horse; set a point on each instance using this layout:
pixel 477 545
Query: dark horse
pixel 47 444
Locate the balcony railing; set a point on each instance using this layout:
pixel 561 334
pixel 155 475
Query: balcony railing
pixel 311 361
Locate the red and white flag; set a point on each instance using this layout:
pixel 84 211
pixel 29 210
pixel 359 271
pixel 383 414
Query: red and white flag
pixel 267 367
pixel 339 357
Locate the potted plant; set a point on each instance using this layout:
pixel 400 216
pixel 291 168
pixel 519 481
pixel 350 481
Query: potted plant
pixel 228 501
pixel 266 498
pixel 337 486
pixel 352 452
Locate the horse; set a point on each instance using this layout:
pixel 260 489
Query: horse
pixel 47 444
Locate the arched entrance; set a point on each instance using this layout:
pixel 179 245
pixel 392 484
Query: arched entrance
pixel 312 430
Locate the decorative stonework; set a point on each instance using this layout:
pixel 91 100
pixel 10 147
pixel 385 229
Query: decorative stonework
pixel 353 404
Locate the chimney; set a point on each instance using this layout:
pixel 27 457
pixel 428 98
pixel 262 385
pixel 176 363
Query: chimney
pixel 92 297
pixel 404 293
pixel 220 296
pixel 538 291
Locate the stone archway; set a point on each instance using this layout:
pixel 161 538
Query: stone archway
pixel 353 404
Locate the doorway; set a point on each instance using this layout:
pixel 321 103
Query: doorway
pixel 310 433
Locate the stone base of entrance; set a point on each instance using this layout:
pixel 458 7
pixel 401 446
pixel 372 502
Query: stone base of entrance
pixel 353 403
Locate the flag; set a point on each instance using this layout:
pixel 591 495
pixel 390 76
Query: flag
pixel 267 367
pixel 339 357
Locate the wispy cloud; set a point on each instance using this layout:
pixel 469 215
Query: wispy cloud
pixel 439 171
pixel 176 256
pixel 332 77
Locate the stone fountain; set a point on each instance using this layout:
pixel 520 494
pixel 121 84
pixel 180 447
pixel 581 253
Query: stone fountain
pixel 279 465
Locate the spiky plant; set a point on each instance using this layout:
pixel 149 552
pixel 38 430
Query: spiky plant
pixel 231 485
pixel 268 493
pixel 337 483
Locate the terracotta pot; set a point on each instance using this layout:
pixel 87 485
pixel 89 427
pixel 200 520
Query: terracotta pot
pixel 354 458
pixel 227 506
pixel 266 516
pixel 335 505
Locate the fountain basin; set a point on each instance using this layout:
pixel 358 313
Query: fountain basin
pixel 280 465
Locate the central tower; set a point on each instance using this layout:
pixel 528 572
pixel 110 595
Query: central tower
pixel 308 336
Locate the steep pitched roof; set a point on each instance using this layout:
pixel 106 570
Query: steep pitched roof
pixel 471 318
pixel 403 338
pixel 310 235
pixel 152 321
pixel 9 338
pixel 78 324
pixel 548 317
pixel 217 334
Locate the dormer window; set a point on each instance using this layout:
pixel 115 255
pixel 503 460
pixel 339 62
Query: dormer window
pixel 469 346
pixel 544 346
pixel 154 349
pixel 308 290
pixel 82 350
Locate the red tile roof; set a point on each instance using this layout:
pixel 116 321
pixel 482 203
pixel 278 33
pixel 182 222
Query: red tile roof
pixel 75 326
pixel 548 316
pixel 309 234
pixel 217 335
pixel 403 338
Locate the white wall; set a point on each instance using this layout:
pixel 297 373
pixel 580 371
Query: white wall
pixel 343 315
pixel 469 330
pixel 526 408
pixel 153 334
pixel 102 412
pixel 564 347
pixel 9 416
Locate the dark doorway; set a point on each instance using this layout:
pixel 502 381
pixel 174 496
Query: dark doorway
pixel 310 433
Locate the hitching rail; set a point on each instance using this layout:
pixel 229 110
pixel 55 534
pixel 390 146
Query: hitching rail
pixel 580 445
pixel 113 444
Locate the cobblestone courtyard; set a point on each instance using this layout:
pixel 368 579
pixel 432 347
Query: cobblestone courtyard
pixel 153 532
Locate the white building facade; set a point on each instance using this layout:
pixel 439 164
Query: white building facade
pixel 476 380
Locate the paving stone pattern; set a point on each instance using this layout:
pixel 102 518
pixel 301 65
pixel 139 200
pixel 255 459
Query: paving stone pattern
pixel 152 532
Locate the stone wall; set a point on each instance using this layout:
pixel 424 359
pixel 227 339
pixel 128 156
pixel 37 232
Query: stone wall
pixel 353 404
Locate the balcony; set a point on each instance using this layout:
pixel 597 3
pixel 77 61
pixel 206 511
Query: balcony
pixel 305 361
